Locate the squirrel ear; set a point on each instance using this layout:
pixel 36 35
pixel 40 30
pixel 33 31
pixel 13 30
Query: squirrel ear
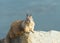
pixel 27 15
pixel 30 15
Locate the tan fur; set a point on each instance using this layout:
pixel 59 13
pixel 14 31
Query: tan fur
pixel 28 24
pixel 16 29
pixel 21 26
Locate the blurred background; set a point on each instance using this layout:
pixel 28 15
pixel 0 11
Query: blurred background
pixel 46 14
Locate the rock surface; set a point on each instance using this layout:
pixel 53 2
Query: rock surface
pixel 37 37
